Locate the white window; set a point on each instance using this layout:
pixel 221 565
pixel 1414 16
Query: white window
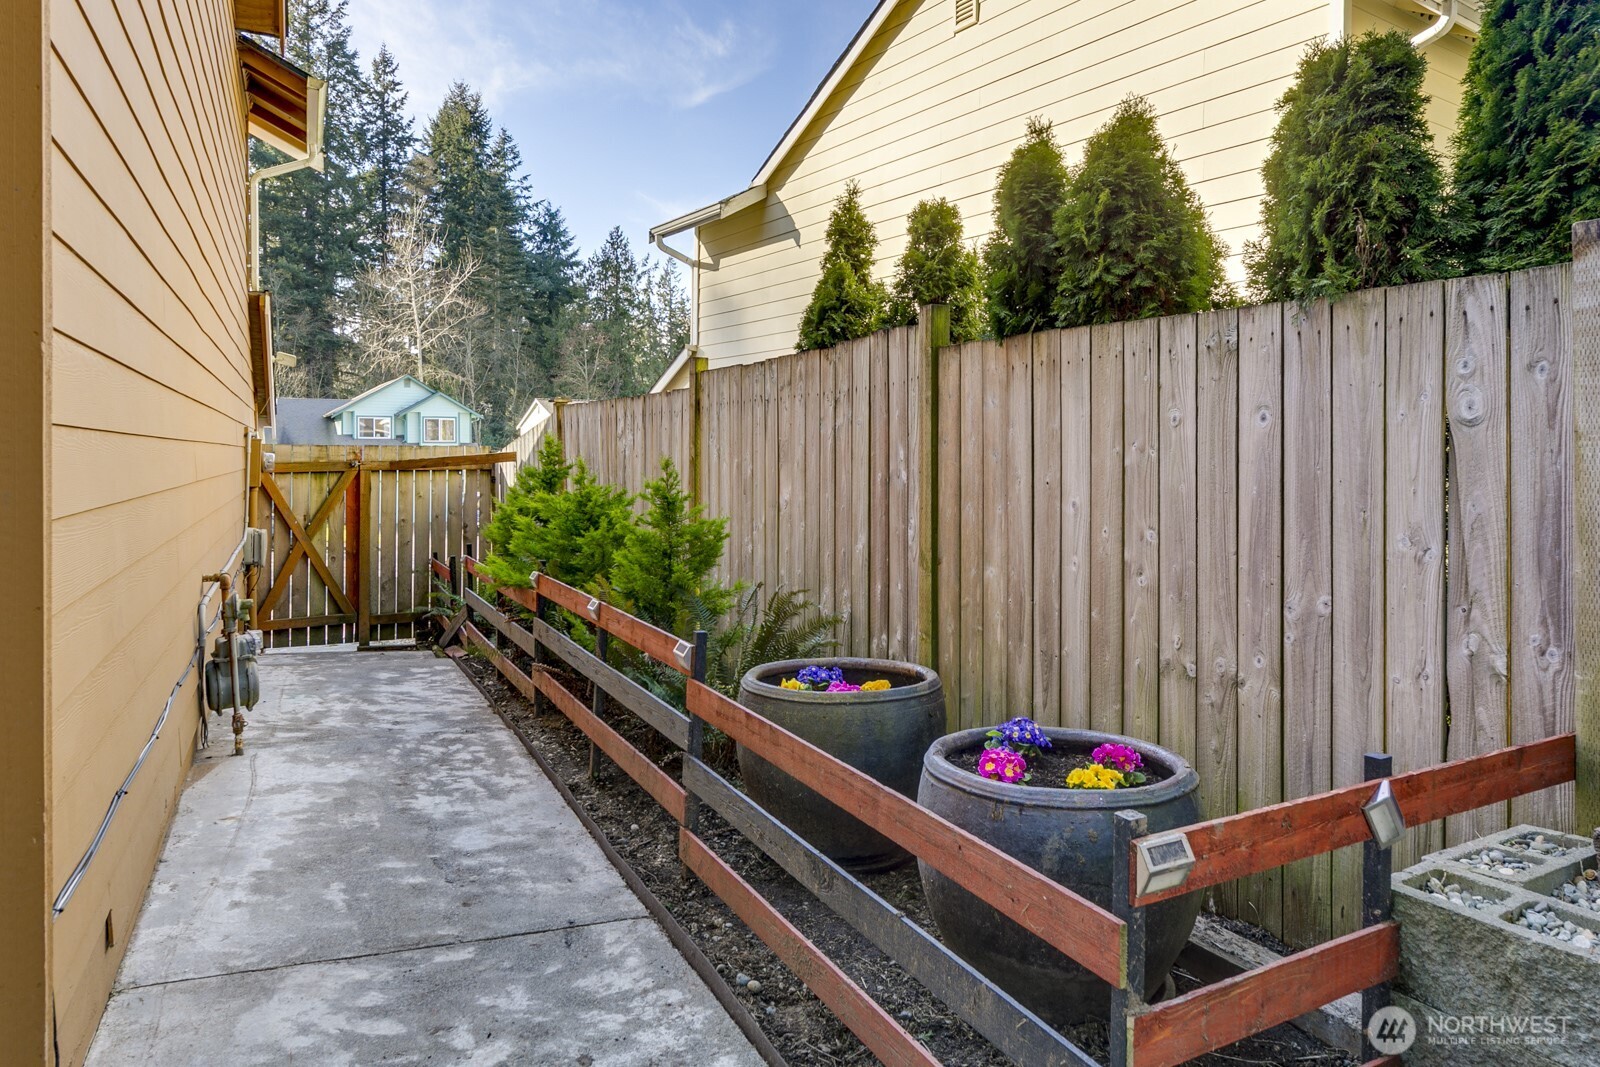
pixel 966 13
pixel 439 431
pixel 373 426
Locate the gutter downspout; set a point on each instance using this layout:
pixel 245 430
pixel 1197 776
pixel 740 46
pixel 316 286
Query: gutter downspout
pixel 316 113
pixel 1448 13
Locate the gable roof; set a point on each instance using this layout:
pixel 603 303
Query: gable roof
pixel 431 393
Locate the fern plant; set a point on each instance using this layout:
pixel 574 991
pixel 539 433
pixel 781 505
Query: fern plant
pixel 788 626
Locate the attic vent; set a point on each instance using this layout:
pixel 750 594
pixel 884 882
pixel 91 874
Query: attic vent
pixel 966 13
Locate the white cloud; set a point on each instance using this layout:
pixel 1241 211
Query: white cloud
pixel 504 48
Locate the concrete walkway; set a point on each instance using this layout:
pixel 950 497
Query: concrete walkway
pixel 386 877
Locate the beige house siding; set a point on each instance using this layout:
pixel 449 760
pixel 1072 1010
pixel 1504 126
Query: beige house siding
pixel 931 111
pixel 151 402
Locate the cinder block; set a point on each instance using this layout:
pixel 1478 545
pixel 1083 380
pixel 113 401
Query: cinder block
pixel 1484 989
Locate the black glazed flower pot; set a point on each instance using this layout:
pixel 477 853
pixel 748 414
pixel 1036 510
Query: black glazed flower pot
pixel 1067 835
pixel 882 733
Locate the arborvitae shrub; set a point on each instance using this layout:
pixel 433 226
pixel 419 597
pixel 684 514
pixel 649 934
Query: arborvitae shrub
pixel 1132 238
pixel 846 303
pixel 1528 142
pixel 1020 261
pixel 938 269
pixel 1354 191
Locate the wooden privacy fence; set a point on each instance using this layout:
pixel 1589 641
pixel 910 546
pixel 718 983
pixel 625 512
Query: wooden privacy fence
pixel 1272 538
pixel 1110 944
pixel 350 532
pixel 623 441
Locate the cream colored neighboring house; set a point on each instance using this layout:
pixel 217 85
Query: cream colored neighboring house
pixel 932 95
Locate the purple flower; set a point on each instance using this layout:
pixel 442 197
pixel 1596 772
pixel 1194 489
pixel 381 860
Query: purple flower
pixel 819 677
pixel 1022 733
pixel 1117 757
pixel 843 687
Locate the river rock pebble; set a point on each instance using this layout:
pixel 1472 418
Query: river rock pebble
pixel 1452 892
pixel 1537 844
pixel 1496 861
pixel 1583 891
pixel 1542 920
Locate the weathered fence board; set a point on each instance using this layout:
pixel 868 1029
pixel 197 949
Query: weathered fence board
pixel 1228 532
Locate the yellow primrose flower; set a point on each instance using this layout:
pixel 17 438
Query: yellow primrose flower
pixel 792 683
pixel 1093 776
pixel 875 686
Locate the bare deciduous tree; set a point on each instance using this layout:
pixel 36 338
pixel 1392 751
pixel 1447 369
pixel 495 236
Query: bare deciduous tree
pixel 414 311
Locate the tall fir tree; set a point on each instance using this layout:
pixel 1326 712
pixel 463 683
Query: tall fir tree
pixel 385 142
pixel 311 223
pixel 1020 260
pixel 1528 142
pixel 846 302
pixel 1132 237
pixel 1353 188
pixel 553 280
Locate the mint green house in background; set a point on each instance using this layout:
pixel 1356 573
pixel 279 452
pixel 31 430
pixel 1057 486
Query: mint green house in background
pixel 399 412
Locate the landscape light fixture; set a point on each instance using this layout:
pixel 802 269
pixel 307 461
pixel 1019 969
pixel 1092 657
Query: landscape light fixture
pixel 592 609
pixel 684 654
pixel 1163 862
pixel 533 581
pixel 1383 816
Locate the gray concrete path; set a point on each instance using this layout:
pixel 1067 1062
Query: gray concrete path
pixel 386 877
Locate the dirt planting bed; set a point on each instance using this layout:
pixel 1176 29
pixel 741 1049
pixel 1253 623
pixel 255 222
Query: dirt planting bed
pixel 800 1026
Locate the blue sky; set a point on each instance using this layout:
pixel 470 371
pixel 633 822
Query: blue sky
pixel 628 112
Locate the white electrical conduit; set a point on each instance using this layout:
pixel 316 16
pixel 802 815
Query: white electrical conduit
pixel 205 628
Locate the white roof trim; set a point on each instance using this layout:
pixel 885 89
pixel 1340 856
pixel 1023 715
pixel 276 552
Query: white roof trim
pixel 710 213
pixel 673 368
pixel 857 46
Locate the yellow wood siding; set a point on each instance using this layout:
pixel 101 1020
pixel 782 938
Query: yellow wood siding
pixel 928 111
pixel 151 402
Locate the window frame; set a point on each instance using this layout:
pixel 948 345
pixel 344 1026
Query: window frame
pixel 455 429
pixel 374 419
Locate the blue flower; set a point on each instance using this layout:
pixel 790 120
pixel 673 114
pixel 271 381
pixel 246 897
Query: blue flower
pixel 819 677
pixel 1022 733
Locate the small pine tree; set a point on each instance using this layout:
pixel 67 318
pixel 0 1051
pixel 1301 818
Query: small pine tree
pixel 1133 237
pixel 1020 261
pixel 662 572
pixel 573 534
pixel 1353 187
pixel 1528 141
pixel 938 269
pixel 846 303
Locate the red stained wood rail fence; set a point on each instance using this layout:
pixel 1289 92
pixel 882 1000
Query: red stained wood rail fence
pixel 1108 943
pixel 1259 840
pixel 1085 932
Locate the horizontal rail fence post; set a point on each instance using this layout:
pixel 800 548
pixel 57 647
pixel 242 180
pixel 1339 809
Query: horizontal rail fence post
pixel 694 750
pixel 1377 862
pixel 1127 1000
pixel 602 649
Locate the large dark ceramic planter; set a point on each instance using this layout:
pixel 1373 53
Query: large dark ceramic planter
pixel 1067 835
pixel 882 733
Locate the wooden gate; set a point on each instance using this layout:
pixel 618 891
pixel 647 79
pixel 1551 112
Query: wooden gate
pixel 334 580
